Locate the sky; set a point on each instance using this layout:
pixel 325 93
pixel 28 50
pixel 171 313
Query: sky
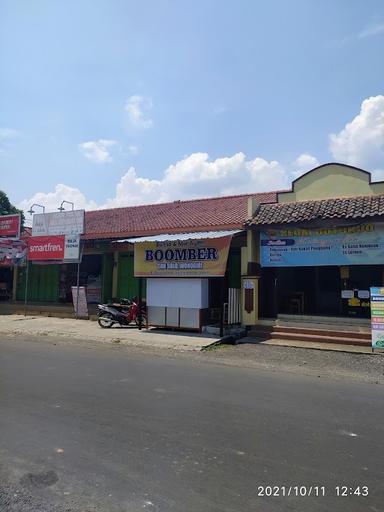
pixel 111 103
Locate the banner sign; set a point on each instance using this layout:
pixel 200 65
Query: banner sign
pixel 10 226
pixel 377 317
pixel 182 258
pixel 350 245
pixel 80 302
pixel 12 252
pixel 70 222
pixel 61 247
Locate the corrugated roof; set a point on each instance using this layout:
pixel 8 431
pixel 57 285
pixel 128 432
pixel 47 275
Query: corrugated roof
pixel 218 213
pixel 336 208
pixel 182 236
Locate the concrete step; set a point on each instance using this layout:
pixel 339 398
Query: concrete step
pixel 323 332
pixel 328 320
pixel 316 338
pixel 361 336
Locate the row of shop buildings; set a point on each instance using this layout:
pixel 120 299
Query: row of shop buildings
pixel 315 249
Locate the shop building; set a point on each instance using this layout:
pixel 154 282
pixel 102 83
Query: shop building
pixel 107 265
pixel 317 251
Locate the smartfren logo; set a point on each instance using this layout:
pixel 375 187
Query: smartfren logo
pixel 48 247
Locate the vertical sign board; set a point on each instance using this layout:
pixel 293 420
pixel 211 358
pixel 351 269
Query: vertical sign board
pixel 79 301
pixel 377 317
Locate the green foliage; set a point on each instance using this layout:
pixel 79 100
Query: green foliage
pixel 7 208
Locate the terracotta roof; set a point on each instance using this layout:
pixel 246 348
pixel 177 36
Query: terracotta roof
pixel 179 216
pixel 336 208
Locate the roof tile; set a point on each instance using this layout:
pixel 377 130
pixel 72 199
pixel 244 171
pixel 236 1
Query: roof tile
pixel 198 214
pixel 335 208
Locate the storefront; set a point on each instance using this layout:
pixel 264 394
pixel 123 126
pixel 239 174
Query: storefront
pixel 320 271
pixel 318 254
pixel 190 277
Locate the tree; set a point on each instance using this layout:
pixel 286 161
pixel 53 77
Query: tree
pixel 7 208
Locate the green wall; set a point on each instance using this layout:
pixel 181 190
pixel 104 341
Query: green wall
pixel 106 276
pixel 127 284
pixel 43 283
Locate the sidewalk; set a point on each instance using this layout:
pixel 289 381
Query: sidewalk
pixel 19 325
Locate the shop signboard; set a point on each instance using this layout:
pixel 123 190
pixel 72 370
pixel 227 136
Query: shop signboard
pixel 60 247
pixel 182 258
pixel 12 252
pixel 377 317
pixel 10 226
pixel 349 245
pixel 70 222
pixel 79 299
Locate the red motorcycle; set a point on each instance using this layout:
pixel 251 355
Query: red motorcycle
pixel 123 313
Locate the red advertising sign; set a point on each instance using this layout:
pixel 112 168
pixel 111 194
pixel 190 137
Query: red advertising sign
pixel 10 226
pixel 46 247
pixel 58 247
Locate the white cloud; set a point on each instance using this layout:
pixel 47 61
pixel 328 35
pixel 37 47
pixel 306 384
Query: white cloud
pixel 303 163
pixel 361 141
pixel 372 30
pixel 52 200
pixel 98 151
pixel 138 110
pixel 133 190
pixel 197 176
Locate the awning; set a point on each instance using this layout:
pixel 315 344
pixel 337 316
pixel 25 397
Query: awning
pixel 182 236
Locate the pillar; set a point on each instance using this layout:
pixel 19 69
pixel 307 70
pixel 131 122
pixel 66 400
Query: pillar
pixel 115 273
pixel 250 266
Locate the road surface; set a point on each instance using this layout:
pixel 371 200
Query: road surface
pixel 86 428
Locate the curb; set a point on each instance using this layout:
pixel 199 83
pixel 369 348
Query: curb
pixel 229 339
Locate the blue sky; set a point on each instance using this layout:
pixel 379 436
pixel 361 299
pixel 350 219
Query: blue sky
pixel 112 102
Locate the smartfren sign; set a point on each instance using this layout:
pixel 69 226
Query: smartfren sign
pixel 60 247
pixel 58 223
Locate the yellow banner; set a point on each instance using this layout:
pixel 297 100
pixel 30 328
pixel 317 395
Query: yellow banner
pixel 205 257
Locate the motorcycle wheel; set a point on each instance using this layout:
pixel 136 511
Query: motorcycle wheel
pixel 143 319
pixel 105 320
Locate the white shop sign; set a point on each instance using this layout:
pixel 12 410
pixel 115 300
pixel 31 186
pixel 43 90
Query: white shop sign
pixel 58 223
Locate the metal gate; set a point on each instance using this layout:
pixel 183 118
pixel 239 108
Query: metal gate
pixel 232 307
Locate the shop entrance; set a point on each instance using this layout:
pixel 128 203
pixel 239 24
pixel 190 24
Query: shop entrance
pixel 90 277
pixel 323 291
pixel 6 283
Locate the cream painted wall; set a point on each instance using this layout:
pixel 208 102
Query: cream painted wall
pixel 331 180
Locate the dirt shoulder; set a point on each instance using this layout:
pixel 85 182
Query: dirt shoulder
pixel 301 361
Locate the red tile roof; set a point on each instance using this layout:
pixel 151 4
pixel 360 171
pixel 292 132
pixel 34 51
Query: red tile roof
pixel 359 207
pixel 179 216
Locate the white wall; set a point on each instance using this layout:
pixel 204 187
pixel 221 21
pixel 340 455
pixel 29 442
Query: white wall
pixel 177 292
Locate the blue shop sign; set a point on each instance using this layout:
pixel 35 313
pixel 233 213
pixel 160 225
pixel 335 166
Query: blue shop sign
pixel 352 245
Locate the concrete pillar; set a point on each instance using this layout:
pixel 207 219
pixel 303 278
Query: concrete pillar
pixel 115 273
pixel 250 270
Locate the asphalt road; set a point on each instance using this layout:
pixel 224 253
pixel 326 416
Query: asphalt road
pixel 86 428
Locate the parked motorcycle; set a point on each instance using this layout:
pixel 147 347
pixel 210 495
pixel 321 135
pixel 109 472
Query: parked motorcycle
pixel 122 313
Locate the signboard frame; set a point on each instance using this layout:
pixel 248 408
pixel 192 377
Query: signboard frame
pixel 62 248
pixel 69 222
pixel 361 244
pixel 197 257
pixel 11 232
